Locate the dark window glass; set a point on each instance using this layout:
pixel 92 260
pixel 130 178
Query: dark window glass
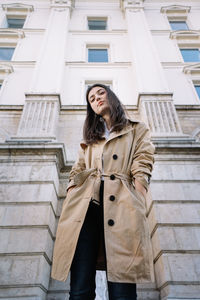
pixel 190 55
pixel 178 25
pixel 197 88
pixel 15 23
pixel 97 24
pixel 97 55
pixel 6 53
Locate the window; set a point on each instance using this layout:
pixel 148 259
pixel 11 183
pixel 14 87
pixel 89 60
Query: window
pixel 190 55
pixel 197 88
pixel 178 25
pixel 97 24
pixel 6 53
pixel 97 55
pixel 15 23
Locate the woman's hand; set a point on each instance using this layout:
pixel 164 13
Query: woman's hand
pixel 139 187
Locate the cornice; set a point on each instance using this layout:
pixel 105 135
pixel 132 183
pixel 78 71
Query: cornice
pixel 133 5
pixel 62 4
pixel 105 65
pixel 193 69
pixel 6 69
pixel 12 33
pixel 185 34
pixel 181 9
pixel 17 8
pixel 98 32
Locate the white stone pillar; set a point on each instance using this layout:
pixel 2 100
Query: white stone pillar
pixel 149 72
pixel 50 65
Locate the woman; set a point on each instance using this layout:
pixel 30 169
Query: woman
pixel 104 213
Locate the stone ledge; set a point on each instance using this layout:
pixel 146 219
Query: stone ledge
pixel 24 270
pixel 24 291
pixel 29 227
pixel 157 225
pixel 21 254
pixel 35 147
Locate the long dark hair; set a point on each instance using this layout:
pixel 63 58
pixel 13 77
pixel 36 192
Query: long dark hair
pixel 94 128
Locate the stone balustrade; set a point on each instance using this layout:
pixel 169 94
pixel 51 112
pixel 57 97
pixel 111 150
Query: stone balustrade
pixel 160 114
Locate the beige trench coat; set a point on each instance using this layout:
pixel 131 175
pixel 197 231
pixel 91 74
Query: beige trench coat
pixel 127 242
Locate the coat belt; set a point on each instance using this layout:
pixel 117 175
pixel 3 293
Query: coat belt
pixel 82 176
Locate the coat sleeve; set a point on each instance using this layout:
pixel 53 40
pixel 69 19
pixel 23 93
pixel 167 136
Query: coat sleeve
pixel 78 167
pixel 143 158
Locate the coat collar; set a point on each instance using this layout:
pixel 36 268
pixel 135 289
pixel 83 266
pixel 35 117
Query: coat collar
pixel 114 134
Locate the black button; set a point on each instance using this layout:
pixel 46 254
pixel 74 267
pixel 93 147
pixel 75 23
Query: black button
pixel 112 177
pixel 115 156
pixel 112 198
pixel 111 222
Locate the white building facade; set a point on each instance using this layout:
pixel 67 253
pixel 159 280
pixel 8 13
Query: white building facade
pixel 148 52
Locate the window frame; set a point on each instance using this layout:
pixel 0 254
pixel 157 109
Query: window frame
pixel 17 11
pixel 5 46
pixel 189 48
pixel 178 21
pixel 97 19
pixel 195 85
pixel 105 47
pixel 15 18
pixel 100 18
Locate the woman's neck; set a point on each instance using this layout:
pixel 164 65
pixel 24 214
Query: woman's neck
pixel 107 120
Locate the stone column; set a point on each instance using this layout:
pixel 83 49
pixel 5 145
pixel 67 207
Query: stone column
pixel 155 101
pixel 149 72
pixel 50 65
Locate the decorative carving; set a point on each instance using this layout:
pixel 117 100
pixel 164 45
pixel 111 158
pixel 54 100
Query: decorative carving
pixel 193 69
pixel 170 9
pixel 160 114
pixel 6 69
pixel 17 7
pixel 39 117
pixel 62 4
pixel 196 134
pixel 185 34
pixel 11 33
pixel 133 5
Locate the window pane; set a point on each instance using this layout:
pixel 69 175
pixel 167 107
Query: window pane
pixel 197 87
pixel 97 55
pixel 6 53
pixel 190 55
pixel 15 23
pixel 178 25
pixel 97 24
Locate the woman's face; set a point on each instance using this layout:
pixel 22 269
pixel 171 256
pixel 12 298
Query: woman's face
pixel 98 100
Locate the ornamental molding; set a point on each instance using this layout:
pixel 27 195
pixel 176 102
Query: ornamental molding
pixel 11 33
pixel 175 9
pixel 17 8
pixel 196 134
pixel 131 5
pixel 185 34
pixel 159 113
pixel 193 69
pixel 39 117
pixel 6 69
pixel 61 5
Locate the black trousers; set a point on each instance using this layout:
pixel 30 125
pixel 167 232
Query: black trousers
pixel 83 268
